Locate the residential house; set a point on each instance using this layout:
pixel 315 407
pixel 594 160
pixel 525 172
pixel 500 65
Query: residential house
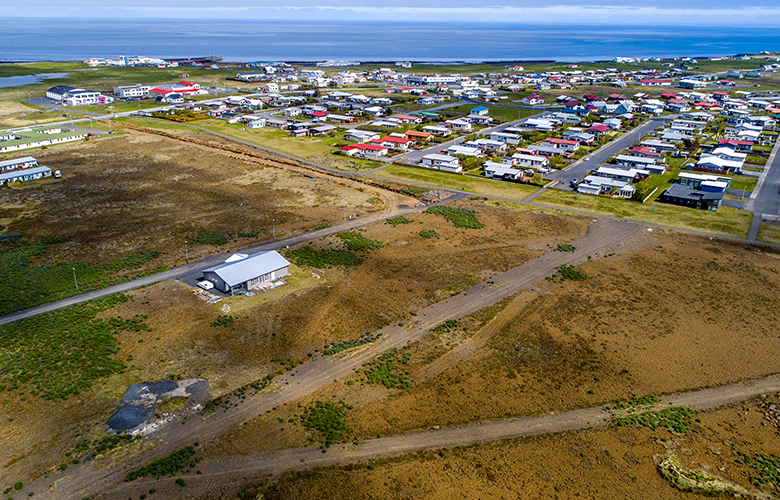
pixel 437 130
pixel 394 142
pixel 564 144
pixel 361 136
pixel 458 124
pixel 526 160
pixel 532 100
pixel 595 185
pixel 445 163
pixel 249 272
pixel 487 145
pixel 626 175
pixel 679 194
pixel 418 136
pixel 495 170
pixel 456 149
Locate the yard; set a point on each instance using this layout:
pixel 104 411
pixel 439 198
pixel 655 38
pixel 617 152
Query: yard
pixel 434 178
pixel 726 221
pixel 501 113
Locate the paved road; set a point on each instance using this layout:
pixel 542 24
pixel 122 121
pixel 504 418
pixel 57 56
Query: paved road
pixel 413 157
pixel 579 169
pixel 91 479
pixel 189 273
pixel 766 195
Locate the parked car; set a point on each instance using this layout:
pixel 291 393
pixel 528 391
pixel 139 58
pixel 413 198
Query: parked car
pixel 574 183
pixel 206 285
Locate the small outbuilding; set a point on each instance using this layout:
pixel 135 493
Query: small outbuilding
pixel 252 271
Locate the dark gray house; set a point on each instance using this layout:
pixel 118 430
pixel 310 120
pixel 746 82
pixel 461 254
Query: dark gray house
pixel 247 273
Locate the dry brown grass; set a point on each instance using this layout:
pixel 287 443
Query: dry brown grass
pixel 593 464
pixel 139 192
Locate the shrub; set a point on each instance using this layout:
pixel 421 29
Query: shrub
pixel 569 273
pixel 398 220
pixel 62 352
pixel 429 233
pixel 307 256
pixel 356 242
pixel 44 284
pixel 460 217
pixel 388 370
pixel 223 321
pixel 169 465
pixel 326 418
pixel 215 239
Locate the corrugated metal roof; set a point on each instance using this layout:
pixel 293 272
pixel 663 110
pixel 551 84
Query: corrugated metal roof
pixel 16 161
pixel 253 266
pixel 27 171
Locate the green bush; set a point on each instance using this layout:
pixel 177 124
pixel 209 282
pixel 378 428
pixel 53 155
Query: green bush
pixel 169 465
pixel 308 257
pixel 388 370
pixel 62 352
pixel 225 321
pixel 569 273
pixel 38 285
pixel 429 233
pixel 326 418
pixel 356 242
pixel 215 239
pixel 460 217
pixel 394 221
pixel 678 419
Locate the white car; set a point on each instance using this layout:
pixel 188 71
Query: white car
pixel 206 285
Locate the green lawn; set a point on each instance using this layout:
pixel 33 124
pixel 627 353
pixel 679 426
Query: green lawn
pixel 501 113
pixel 769 232
pixel 434 178
pixel 741 182
pixel 727 221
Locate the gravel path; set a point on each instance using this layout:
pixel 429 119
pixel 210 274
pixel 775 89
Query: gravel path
pixel 91 479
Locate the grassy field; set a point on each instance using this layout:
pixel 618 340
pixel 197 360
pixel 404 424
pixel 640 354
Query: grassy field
pixel 298 281
pixel 435 178
pixel 769 232
pixel 727 221
pixel 502 113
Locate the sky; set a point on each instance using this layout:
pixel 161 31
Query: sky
pixel 763 13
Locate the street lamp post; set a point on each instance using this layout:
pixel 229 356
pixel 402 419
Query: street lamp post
pixel 74 278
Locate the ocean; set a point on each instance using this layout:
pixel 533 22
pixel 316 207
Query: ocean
pixel 27 39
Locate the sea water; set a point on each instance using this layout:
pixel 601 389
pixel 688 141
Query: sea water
pixel 26 39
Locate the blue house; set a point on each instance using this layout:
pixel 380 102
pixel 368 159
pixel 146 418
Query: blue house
pixel 479 110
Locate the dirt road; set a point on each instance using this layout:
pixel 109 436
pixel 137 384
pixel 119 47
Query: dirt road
pixel 99 478
pixel 255 466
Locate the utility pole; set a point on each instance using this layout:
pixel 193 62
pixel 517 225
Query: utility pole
pixel 274 221
pixel 74 278
pixel 186 252
pixel 345 211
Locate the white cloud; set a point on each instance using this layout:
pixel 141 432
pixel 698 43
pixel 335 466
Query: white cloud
pixel 399 11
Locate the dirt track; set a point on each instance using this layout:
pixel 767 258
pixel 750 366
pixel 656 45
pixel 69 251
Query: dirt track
pixel 99 478
pixel 259 465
